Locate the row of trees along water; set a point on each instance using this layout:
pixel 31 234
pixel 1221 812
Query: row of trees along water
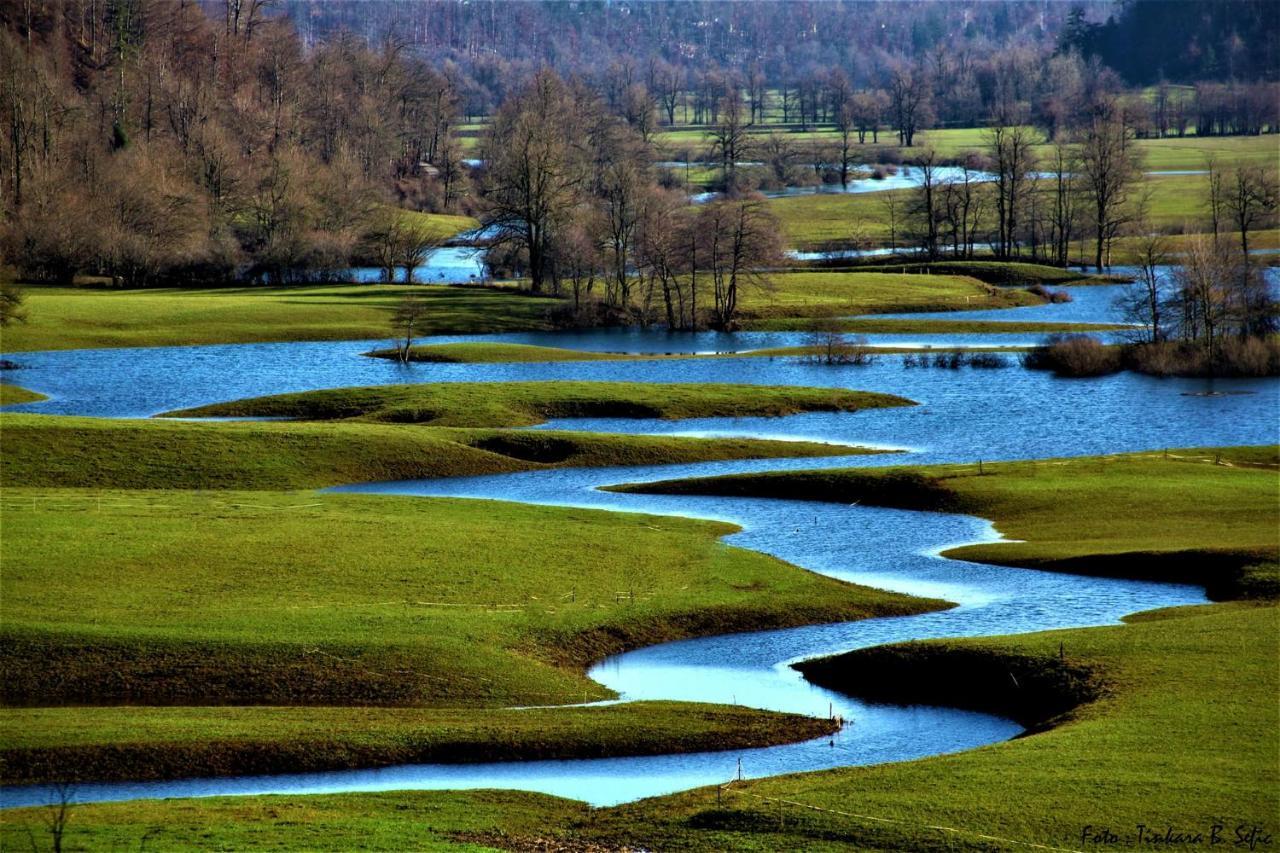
pixel 1014 200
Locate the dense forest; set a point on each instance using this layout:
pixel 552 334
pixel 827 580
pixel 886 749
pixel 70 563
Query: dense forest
pixel 1183 41
pixel 172 141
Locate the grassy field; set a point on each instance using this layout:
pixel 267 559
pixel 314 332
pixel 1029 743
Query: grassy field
pixel 99 744
pixel 443 225
pixel 1175 202
pixel 1175 739
pixel 72 452
pixel 508 404
pixel 826 294
pixel 75 318
pixel 193 598
pixel 1169 721
pixel 834 220
pixel 13 394
pixel 123 585
pixel 1206 515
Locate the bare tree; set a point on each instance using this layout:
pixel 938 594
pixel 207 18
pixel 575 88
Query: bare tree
pixel 829 344
pixel 534 170
pixel 909 98
pixel 1063 213
pixel 408 318
pixel 892 205
pixel 729 139
pixel 1110 165
pixel 845 127
pixel 1251 199
pixel 739 239
pixel 1014 162
pixel 1144 302
pixel 924 204
pixel 419 242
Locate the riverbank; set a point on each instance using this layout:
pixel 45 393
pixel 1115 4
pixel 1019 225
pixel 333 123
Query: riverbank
pixel 102 744
pixel 1214 511
pixel 14 394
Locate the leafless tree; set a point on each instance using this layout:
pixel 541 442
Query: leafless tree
pixel 829 344
pixel 909 97
pixel 1251 198
pixel 1144 302
pixel 1110 165
pixel 739 239
pixel 1011 151
pixel 406 321
pixel 534 170
pixel 730 139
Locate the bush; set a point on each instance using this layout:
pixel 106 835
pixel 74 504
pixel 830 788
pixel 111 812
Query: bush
pixel 988 360
pixel 1252 356
pixel 1056 297
pixel 1245 357
pixel 1074 355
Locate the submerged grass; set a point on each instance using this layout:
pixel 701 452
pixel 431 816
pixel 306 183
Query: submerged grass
pixel 496 353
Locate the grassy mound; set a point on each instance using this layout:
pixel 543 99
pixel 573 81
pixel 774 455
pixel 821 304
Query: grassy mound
pixel 12 394
pixel 1206 515
pixel 199 598
pixel 132 743
pixel 51 451
pixel 505 404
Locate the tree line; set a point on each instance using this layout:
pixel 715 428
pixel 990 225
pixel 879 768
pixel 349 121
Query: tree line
pixel 148 142
pixel 573 203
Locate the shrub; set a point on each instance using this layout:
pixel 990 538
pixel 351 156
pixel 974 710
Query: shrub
pixel 1074 355
pixel 1054 296
pixel 988 360
pixel 1252 356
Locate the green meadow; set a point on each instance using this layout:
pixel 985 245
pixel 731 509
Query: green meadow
pixel 1117 712
pixel 89 317
pixel 825 294
pixel 188 566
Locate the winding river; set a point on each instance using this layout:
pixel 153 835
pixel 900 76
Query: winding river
pixel 963 415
